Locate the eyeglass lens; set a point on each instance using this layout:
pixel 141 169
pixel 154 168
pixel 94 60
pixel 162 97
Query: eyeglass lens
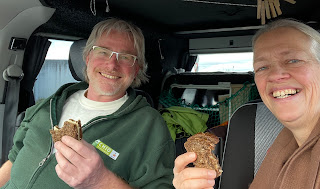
pixel 122 58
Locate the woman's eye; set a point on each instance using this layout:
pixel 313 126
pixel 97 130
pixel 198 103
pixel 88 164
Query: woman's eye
pixel 293 61
pixel 260 69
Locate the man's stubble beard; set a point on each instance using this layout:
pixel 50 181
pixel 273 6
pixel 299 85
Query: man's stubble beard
pixel 112 89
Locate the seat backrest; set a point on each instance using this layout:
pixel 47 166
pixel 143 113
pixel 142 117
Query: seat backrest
pixel 76 62
pixel 77 66
pixel 252 129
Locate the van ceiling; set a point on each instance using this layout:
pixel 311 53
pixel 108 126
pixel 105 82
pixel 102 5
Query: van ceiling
pixel 74 17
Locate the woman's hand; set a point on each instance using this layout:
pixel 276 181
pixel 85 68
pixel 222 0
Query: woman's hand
pixel 191 177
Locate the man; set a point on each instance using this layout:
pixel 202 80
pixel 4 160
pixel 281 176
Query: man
pixel 114 120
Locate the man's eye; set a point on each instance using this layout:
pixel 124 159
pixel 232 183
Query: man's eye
pixel 124 57
pixel 102 52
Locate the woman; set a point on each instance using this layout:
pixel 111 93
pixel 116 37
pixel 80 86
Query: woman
pixel 287 74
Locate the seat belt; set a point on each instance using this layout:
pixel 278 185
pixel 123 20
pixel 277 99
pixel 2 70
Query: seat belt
pixel 13 75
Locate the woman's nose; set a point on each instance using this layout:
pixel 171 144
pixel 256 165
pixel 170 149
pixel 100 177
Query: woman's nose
pixel 278 73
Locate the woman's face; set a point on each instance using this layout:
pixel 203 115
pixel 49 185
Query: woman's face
pixel 288 75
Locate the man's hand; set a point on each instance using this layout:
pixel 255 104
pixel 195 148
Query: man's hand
pixel 5 171
pixel 80 166
pixel 191 178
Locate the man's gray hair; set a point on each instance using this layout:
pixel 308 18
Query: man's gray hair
pixel 104 27
pixel 291 23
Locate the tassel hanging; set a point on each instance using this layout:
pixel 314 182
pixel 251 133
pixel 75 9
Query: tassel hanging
pixel 107 8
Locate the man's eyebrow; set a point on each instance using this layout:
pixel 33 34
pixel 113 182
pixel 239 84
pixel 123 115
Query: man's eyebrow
pixel 104 47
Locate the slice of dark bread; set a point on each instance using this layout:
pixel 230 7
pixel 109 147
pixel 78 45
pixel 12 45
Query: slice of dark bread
pixel 70 127
pixel 203 145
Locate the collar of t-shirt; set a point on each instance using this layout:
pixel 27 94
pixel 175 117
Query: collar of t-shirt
pixel 78 107
pixel 96 105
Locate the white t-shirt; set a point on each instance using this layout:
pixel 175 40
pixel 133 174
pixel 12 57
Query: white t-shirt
pixel 78 107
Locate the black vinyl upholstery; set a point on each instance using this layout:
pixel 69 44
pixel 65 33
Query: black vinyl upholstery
pixel 76 62
pixel 252 129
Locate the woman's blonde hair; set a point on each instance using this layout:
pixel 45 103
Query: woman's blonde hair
pixel 291 23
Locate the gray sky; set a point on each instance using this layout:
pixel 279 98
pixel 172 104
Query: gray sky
pixel 59 50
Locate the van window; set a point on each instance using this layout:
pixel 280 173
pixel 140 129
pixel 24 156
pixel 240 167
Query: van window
pixel 55 71
pixel 224 62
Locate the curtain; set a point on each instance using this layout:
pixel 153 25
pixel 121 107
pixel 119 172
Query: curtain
pixel 34 57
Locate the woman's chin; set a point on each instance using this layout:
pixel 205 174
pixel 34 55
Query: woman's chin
pixel 289 116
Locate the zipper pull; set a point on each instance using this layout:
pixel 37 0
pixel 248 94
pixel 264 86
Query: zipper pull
pixel 44 160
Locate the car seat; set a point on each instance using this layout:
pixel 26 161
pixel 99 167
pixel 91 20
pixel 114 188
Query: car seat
pixel 77 66
pixel 252 129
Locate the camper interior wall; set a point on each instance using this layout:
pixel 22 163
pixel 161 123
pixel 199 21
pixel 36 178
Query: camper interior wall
pixel 21 26
pixel 18 19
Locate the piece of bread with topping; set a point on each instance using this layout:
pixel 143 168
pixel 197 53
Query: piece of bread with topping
pixel 70 127
pixel 203 145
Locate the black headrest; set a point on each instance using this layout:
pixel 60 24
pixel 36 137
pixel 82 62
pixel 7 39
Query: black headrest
pixel 76 62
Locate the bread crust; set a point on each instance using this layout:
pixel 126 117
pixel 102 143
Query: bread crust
pixel 203 145
pixel 70 128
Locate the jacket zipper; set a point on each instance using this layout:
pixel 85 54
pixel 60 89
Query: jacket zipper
pixel 51 148
pixel 86 126
pixel 41 163
pixel 44 160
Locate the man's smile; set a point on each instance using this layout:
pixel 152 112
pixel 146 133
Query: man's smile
pixel 109 76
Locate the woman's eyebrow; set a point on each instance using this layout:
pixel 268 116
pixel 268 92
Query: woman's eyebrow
pixel 259 59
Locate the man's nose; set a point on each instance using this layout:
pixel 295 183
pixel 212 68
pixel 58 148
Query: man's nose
pixel 113 59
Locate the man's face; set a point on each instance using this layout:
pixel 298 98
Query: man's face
pixel 287 75
pixel 109 80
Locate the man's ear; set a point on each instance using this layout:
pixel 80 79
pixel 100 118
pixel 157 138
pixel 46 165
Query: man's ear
pixel 137 70
pixel 87 59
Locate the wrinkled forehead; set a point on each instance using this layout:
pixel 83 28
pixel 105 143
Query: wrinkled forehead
pixel 282 38
pixel 282 34
pixel 116 38
pixel 125 34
